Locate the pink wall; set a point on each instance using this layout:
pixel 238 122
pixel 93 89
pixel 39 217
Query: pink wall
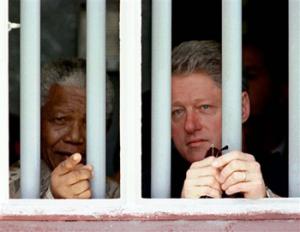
pixel 178 225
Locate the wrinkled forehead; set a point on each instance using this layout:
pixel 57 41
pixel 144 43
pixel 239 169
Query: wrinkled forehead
pixel 60 95
pixel 215 80
pixel 193 87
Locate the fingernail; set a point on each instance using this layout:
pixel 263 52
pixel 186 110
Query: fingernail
pixel 90 167
pixel 76 156
pixel 215 163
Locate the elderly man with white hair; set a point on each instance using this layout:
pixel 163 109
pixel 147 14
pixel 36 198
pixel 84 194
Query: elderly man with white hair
pixel 64 173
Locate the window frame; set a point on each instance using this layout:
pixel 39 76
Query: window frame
pixel 4 151
pixel 130 206
pixel 151 209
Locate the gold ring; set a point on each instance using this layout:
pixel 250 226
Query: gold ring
pixel 245 177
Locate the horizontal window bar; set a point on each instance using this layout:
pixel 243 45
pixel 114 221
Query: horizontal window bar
pixel 153 209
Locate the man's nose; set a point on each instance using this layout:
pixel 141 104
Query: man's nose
pixel 192 122
pixel 76 133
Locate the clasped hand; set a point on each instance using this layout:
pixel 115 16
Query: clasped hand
pixel 233 172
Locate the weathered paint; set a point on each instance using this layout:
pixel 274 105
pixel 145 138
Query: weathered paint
pixel 117 207
pixel 179 225
pixel 152 217
pixel 151 209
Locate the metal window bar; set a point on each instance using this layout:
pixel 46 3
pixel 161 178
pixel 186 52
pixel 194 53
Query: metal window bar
pixel 30 98
pixel 231 73
pixel 161 99
pixel 96 82
pixel 294 98
pixel 130 100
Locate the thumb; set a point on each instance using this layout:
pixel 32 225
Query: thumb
pixel 69 164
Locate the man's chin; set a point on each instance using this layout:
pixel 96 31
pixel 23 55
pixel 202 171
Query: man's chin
pixel 196 155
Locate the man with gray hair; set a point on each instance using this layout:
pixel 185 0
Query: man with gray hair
pixel 197 127
pixel 64 173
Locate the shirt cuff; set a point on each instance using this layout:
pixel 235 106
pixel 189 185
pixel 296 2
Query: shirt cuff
pixel 48 194
pixel 270 194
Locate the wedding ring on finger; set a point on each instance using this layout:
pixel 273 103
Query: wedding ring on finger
pixel 244 179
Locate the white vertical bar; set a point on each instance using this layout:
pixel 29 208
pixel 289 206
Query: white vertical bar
pixel 231 73
pixel 30 98
pixel 4 100
pixel 96 81
pixel 130 99
pixel 294 98
pixel 161 99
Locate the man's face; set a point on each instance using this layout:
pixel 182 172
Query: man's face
pixel 259 81
pixel 63 124
pixel 196 115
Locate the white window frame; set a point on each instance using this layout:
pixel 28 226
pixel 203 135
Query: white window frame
pixel 4 160
pixel 130 205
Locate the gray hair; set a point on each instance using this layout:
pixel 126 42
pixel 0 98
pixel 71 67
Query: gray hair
pixel 199 57
pixel 71 72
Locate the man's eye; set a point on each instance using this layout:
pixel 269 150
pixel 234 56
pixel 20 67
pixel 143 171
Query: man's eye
pixel 59 120
pixel 205 107
pixel 177 113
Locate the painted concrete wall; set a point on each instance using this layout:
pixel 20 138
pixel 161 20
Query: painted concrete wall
pixel 179 225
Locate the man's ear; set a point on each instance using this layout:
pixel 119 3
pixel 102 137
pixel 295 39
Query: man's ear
pixel 245 106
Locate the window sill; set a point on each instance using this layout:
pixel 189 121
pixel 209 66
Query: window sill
pixel 151 209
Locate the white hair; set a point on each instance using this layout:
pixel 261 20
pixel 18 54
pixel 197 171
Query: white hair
pixel 71 73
